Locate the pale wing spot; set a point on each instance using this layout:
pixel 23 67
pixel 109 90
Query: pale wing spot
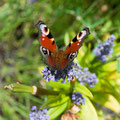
pixel 46 33
pixel 42 26
pixel 52 39
pixel 43 39
pixel 78 44
pixel 79 40
pixel 82 35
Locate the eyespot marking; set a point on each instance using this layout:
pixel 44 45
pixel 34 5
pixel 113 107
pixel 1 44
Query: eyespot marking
pixel 46 29
pixel 83 34
pixel 71 56
pixel 44 51
pixel 80 34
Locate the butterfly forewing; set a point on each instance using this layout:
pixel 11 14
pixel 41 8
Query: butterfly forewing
pixel 46 38
pixel 77 41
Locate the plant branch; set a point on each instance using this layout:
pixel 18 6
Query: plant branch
pixel 20 88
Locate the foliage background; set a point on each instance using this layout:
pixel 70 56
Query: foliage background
pixel 19 46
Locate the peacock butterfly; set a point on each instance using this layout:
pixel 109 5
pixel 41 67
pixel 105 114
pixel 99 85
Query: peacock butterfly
pixel 59 59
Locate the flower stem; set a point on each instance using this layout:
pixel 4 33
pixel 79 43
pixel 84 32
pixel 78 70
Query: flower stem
pixel 72 84
pixel 30 89
pixel 101 64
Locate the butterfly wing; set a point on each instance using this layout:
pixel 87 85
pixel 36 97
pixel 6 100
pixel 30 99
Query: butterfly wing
pixel 46 38
pixel 47 44
pixel 72 49
pixel 49 50
pixel 77 41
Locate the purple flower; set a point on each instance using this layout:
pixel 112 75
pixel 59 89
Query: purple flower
pixel 49 74
pixel 105 49
pixel 73 70
pixel 40 114
pixel 83 75
pixel 78 98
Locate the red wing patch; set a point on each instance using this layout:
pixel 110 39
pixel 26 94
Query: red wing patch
pixel 46 39
pixel 77 41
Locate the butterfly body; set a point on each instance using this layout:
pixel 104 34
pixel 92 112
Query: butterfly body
pixel 59 59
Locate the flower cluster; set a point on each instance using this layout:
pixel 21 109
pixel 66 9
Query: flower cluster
pixel 49 74
pixel 38 114
pixel 73 70
pixel 105 49
pixel 78 98
pixel 83 75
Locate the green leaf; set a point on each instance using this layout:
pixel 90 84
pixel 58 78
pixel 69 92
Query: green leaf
pixel 60 101
pixel 55 101
pixel 20 88
pixel 112 104
pixel 88 111
pixel 59 86
pixel 107 100
pixel 100 21
pixel 84 55
pixel 50 100
pixel 100 97
pixel 66 39
pixel 82 89
pixel 118 65
pixel 56 111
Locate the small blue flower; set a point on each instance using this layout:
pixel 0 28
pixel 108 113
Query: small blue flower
pixel 78 98
pixel 83 75
pixel 40 114
pixel 73 70
pixel 49 74
pixel 105 49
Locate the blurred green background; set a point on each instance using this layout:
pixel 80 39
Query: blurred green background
pixel 19 45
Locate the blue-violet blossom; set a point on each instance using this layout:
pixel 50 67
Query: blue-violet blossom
pixel 83 75
pixel 104 49
pixel 78 98
pixel 40 114
pixel 73 70
pixel 49 74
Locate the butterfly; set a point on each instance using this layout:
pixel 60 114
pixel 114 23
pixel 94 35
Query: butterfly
pixel 59 59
